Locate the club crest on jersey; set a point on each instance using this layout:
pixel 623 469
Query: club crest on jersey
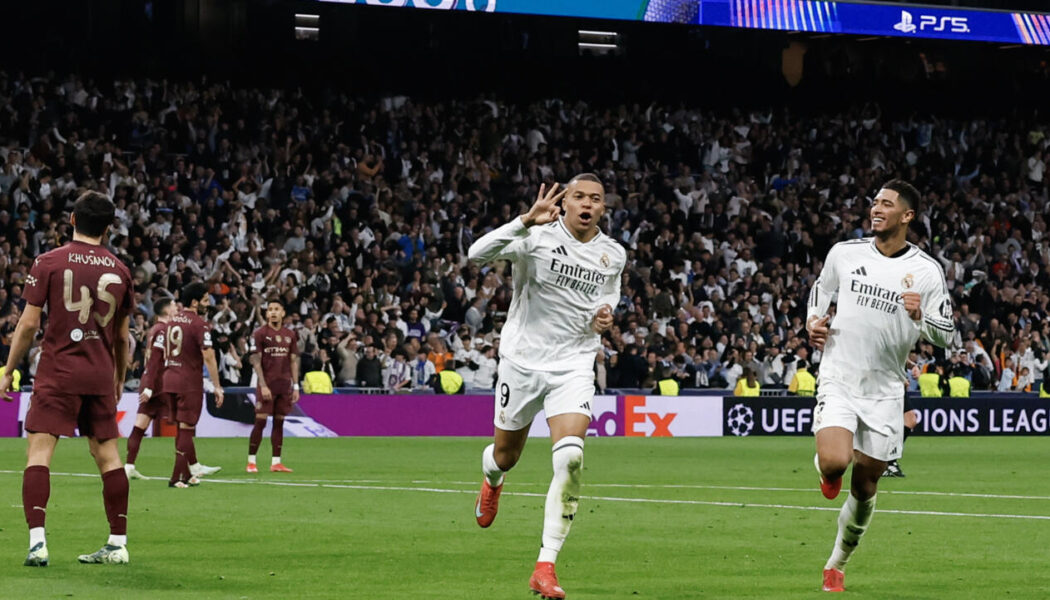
pixel 908 281
pixel 76 335
pixel 604 260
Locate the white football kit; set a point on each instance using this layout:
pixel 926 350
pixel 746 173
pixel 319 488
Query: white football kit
pixel 548 344
pixel 862 373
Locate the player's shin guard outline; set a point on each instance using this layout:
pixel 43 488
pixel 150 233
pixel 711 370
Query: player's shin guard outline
pixel 489 468
pixel 134 443
pixel 854 519
pixel 36 491
pixel 563 497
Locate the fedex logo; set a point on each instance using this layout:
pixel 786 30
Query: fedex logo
pixel 932 23
pixel 637 420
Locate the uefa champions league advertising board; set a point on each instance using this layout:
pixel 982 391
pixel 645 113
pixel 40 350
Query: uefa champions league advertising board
pixel 987 414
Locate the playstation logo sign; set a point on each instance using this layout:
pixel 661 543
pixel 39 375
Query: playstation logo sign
pixel 932 23
pixel 907 24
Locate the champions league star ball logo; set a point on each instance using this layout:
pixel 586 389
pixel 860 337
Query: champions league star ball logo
pixel 908 281
pixel 740 420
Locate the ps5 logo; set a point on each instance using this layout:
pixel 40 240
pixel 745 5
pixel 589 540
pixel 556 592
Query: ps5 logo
pixel 932 23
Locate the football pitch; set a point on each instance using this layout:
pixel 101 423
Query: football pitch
pixel 659 518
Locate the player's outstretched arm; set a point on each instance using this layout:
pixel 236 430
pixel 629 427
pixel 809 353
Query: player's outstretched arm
pixel 508 241
pixel 25 331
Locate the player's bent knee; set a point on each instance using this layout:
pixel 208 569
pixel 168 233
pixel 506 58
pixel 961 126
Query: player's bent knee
pixel 567 455
pixel 834 465
pixel 507 458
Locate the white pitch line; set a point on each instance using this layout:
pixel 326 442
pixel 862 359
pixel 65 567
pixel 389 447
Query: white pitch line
pixel 931 513
pixel 743 488
pixel 669 486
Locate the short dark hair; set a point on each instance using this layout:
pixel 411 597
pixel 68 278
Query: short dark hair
pixel 586 177
pixel 277 302
pixel 94 212
pixel 193 291
pixel 908 193
pixel 160 305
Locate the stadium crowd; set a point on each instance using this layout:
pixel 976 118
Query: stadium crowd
pixel 357 213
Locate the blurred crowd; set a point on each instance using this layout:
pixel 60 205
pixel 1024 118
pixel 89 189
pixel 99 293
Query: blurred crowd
pixel 357 213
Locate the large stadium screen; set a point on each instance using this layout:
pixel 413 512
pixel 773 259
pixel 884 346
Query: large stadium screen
pixel 787 15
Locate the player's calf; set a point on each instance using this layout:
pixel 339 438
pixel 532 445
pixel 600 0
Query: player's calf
pixel 563 496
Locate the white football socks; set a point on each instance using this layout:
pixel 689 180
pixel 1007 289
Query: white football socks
pixel 854 519
pixel 563 497
pixel 251 459
pixel 36 536
pixel 489 467
pixel 275 461
pixel 117 540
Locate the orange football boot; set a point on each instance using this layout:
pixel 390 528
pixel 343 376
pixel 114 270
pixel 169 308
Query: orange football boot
pixel 834 580
pixel 545 583
pixel 487 505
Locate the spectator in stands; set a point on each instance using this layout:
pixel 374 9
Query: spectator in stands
pixel 803 383
pixel 369 369
pixel 1008 378
pixel 748 384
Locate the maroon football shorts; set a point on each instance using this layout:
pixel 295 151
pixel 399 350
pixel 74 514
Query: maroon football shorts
pixel 279 405
pixel 157 406
pixel 186 407
pixel 62 414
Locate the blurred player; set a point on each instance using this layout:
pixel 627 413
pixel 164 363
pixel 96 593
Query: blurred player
pixel 566 281
pixel 187 349
pixel 153 402
pixel 889 293
pixel 275 358
pixel 87 292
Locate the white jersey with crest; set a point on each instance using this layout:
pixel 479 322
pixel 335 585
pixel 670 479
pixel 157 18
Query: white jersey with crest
pixel 871 333
pixel 559 284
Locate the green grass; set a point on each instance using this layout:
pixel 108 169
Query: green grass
pixel 239 537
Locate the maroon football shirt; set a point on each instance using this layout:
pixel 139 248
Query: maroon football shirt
pixel 185 340
pixel 275 348
pixel 153 374
pixel 87 292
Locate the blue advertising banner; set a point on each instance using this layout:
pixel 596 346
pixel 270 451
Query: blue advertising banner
pixel 817 16
pixel 878 19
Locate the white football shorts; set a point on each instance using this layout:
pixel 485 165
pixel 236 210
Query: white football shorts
pixel 521 394
pixel 877 424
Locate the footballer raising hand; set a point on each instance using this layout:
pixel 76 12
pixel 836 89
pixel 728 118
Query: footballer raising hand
pixel 545 209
